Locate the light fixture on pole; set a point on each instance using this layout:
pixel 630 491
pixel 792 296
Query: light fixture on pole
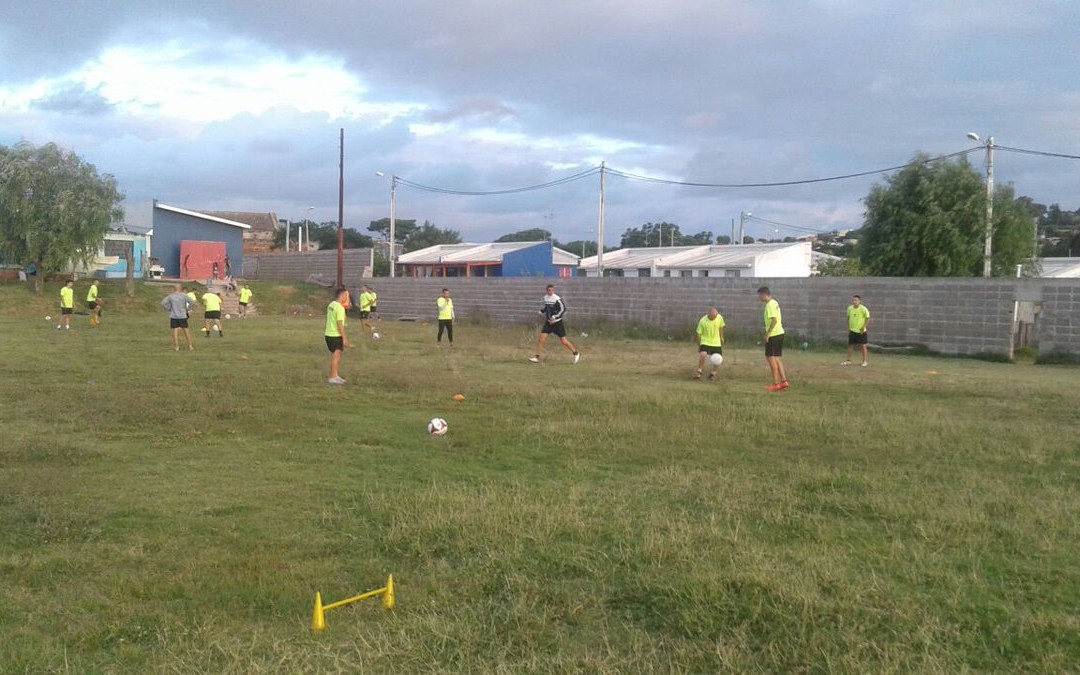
pixel 743 215
pixel 989 237
pixel 392 235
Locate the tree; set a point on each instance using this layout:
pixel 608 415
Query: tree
pixel 430 235
pixel 843 267
pixel 662 234
pixel 402 229
pixel 534 234
pixel 325 235
pixel 929 220
pixel 723 240
pixel 581 247
pixel 55 208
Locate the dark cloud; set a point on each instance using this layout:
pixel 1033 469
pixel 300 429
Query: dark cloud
pixel 76 100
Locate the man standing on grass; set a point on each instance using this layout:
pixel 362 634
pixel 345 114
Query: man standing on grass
pixel 374 304
pixel 92 303
pixel 858 322
pixel 774 340
pixel 336 341
pixel 178 304
pixel 212 312
pixel 553 312
pixel 67 305
pixel 710 334
pixel 446 317
pixel 367 301
pixel 245 298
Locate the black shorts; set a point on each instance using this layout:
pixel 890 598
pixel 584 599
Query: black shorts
pixel 558 328
pixel 178 323
pixel 710 350
pixel 216 314
pixel 92 305
pixel 364 315
pixel 774 346
pixel 66 310
pixel 374 309
pixel 243 304
pixel 856 338
pixel 335 344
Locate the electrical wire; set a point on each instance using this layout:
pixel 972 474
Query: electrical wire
pixel 483 193
pixel 792 228
pixel 1035 152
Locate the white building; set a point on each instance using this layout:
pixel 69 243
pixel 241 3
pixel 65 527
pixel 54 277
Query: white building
pixel 733 260
pixel 1059 268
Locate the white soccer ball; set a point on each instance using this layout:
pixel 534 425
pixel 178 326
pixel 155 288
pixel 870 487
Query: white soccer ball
pixel 48 318
pixel 376 336
pixel 716 359
pixel 437 426
pixel 228 316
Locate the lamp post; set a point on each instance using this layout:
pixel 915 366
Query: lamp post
pixel 307 229
pixel 743 215
pixel 988 241
pixel 393 221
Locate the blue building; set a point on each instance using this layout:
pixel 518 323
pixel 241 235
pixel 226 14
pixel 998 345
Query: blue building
pixel 197 239
pixel 119 244
pixel 501 259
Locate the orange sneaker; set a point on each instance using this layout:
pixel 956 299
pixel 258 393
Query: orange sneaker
pixel 782 385
pixel 773 387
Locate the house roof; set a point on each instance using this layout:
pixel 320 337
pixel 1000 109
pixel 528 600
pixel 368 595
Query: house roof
pixel 259 222
pixel 461 254
pixel 1060 268
pixel 198 214
pixel 728 256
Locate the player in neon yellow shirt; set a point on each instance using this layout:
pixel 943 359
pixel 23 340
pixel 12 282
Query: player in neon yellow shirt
pixel 336 340
pixel 367 301
pixel 67 305
pixel 710 337
pixel 858 320
pixel 446 317
pixel 92 303
pixel 212 312
pixel 774 340
pixel 245 299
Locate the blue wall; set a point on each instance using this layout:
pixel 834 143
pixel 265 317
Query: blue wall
pixel 534 261
pixel 119 270
pixel 172 228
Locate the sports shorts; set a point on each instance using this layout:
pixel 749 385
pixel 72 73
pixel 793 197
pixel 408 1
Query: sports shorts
pixel 178 323
pixel 92 304
pixel 710 350
pixel 364 314
pixel 216 314
pixel 335 343
pixel 558 328
pixel 774 346
pixel 856 338
pixel 66 310
pixel 243 304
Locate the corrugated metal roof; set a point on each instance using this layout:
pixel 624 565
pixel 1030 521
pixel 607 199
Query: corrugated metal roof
pixel 198 214
pixel 686 257
pixel 478 253
pixel 1060 268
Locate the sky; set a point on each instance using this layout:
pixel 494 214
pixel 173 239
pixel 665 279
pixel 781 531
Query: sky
pixel 238 105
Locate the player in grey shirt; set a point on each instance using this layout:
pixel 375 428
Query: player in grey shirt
pixel 178 304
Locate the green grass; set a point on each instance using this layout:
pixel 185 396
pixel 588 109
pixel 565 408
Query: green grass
pixel 176 512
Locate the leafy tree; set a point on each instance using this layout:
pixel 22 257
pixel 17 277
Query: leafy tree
pixel 723 240
pixel 403 229
pixel 430 235
pixel 844 267
pixel 534 234
pixel 748 239
pixel 662 234
pixel 55 208
pixel 929 220
pixel 381 267
pixel 325 235
pixel 581 247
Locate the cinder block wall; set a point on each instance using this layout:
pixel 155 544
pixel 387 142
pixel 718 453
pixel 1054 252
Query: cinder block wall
pixel 952 316
pixel 300 266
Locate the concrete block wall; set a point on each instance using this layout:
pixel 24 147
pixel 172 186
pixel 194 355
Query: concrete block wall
pixel 300 266
pixel 951 316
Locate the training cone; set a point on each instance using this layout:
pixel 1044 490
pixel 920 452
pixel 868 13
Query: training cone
pixel 388 599
pixel 318 618
pixel 459 397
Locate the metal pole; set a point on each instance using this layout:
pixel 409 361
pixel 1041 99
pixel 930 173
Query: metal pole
pixel 288 234
pixel 600 228
pixel 341 214
pixel 393 226
pixel 988 245
pixel 732 231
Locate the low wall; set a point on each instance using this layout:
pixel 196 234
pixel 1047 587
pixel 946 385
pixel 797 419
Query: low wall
pixel 951 316
pixel 301 266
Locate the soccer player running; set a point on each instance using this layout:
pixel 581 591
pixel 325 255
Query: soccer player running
pixel 553 312
pixel 858 322
pixel 178 304
pixel 245 299
pixel 446 317
pixel 67 305
pixel 336 341
pixel 92 303
pixel 374 304
pixel 212 312
pixel 774 340
pixel 710 334
pixel 367 301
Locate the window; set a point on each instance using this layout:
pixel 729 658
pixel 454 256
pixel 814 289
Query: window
pixel 667 273
pixel 613 272
pixel 686 273
pixel 732 273
pixel 703 273
pixel 644 272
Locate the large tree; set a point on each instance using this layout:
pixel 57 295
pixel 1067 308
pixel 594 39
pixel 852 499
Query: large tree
pixel 55 207
pixel 430 235
pixel 402 229
pixel 662 234
pixel 325 235
pixel 534 234
pixel 928 219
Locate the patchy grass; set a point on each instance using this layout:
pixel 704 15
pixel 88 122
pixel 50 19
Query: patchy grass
pixel 176 512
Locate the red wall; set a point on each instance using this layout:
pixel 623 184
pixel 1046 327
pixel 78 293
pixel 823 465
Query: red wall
pixel 200 257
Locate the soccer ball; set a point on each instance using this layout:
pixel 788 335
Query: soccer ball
pixel 437 426
pixel 716 359
pixel 375 336
pixel 228 316
pixel 48 318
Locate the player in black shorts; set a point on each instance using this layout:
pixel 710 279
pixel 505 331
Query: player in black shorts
pixel 553 312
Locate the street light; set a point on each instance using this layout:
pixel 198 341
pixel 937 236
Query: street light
pixel 742 225
pixel 988 241
pixel 393 220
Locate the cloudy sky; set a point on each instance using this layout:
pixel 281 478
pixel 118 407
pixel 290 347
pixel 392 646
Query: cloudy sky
pixel 237 105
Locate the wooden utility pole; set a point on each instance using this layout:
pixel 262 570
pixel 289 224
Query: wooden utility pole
pixel 341 214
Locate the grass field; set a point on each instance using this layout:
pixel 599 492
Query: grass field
pixel 176 512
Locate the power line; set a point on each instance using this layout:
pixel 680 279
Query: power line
pixel 483 193
pixel 1035 152
pixel 793 228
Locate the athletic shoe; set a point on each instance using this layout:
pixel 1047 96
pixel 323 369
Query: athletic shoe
pixel 176 349
pixel 697 374
pixel 865 364
pixel 783 385
pixel 534 359
pixel 374 336
pixel 335 380
pixel 773 387
pixel 221 333
pixel 577 357
pixel 712 376
pixel 67 327
pixel 58 326
pixel 846 363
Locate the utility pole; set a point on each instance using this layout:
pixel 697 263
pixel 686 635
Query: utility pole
pixel 600 228
pixel 988 249
pixel 743 215
pixel 732 230
pixel 341 214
